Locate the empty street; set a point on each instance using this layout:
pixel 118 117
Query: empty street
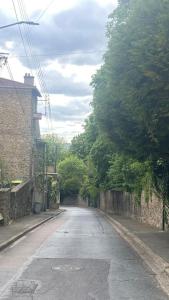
pixel 76 256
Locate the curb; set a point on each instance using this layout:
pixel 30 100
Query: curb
pixel 22 233
pixel 157 264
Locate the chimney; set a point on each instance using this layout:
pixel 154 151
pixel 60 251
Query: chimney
pixel 28 79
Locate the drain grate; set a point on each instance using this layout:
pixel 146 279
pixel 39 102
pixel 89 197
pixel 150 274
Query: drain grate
pixel 24 287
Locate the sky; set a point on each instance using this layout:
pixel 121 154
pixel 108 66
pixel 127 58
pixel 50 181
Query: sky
pixel 63 53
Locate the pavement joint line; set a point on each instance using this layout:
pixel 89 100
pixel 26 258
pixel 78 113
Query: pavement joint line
pixel 156 263
pixel 16 237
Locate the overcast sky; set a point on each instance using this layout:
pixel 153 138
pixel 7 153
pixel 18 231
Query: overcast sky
pixel 66 49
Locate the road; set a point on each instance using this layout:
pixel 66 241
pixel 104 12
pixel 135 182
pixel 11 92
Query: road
pixel 76 256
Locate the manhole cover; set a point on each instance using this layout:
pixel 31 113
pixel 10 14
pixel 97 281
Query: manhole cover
pixel 67 268
pixel 24 287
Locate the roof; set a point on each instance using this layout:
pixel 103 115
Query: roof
pixel 7 83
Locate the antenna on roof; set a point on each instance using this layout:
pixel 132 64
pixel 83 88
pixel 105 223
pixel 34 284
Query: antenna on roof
pixel 3 59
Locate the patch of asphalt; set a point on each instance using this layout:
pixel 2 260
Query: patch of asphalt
pixel 16 237
pixel 156 263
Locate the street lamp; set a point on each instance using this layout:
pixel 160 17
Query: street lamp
pixel 3 58
pixel 19 23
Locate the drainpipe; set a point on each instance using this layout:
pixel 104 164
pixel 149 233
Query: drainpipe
pixel 163 217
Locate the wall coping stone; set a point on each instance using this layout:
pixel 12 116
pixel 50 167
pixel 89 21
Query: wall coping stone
pixel 20 186
pixel 4 190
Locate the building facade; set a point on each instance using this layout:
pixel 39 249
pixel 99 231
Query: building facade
pixel 19 128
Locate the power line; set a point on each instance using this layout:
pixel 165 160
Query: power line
pixel 29 57
pixel 14 85
pixel 45 10
pixel 41 74
pixel 63 53
pixel 36 62
pixel 38 69
pixel 28 39
pixel 22 39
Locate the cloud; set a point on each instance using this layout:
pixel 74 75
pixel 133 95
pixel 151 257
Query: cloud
pixel 68 115
pixel 79 29
pixel 68 44
pixel 74 36
pixel 76 110
pixel 8 33
pixel 58 84
pixel 66 109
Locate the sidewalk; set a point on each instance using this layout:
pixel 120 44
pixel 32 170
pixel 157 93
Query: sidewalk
pixel 150 243
pixel 10 233
pixel 157 240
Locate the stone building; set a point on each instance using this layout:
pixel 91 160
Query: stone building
pixel 19 128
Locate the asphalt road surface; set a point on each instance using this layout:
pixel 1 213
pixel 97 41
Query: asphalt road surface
pixel 76 256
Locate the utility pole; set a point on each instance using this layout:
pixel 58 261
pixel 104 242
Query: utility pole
pixel 56 152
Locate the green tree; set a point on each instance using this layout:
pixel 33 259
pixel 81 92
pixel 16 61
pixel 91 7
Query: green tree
pixel 78 146
pixel 81 145
pixel 131 88
pixel 91 132
pixel 89 188
pixel 100 155
pixel 126 174
pixel 56 149
pixel 72 171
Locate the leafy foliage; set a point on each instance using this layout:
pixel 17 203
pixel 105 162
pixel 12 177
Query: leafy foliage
pixel 56 149
pixel 78 146
pixel 126 174
pixel 89 188
pixel 81 145
pixel 131 90
pixel 127 136
pixel 100 155
pixel 72 171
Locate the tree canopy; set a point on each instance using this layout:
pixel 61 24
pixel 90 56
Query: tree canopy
pixel 56 149
pixel 131 88
pixel 125 143
pixel 127 135
pixel 72 171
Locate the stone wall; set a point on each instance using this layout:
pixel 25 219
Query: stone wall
pixel 122 203
pixel 5 196
pixel 152 211
pixel 82 202
pixel 17 202
pixel 21 200
pixel 70 200
pixel 76 200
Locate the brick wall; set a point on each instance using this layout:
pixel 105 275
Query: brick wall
pixel 122 203
pixel 16 132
